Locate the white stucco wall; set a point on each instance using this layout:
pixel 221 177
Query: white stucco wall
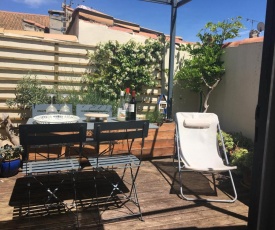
pixel 93 34
pixel 236 97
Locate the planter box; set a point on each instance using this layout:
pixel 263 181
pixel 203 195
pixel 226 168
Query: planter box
pixel 160 142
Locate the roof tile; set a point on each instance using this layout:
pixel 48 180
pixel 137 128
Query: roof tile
pixel 13 20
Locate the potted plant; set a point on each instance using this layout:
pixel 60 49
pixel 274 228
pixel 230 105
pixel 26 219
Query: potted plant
pixel 240 153
pixel 10 160
pixel 155 117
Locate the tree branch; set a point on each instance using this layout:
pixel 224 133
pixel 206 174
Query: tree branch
pixel 205 105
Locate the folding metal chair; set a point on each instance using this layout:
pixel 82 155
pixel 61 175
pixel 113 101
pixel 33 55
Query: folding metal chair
pixel 47 135
pixel 198 149
pixel 125 134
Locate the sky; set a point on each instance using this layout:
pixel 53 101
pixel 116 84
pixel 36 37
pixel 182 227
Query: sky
pixel 191 17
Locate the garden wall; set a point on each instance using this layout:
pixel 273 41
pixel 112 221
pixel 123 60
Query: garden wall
pixel 235 98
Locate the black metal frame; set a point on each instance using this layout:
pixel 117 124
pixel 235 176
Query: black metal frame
pixel 117 131
pixel 51 135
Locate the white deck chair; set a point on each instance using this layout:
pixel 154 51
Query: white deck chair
pixel 198 150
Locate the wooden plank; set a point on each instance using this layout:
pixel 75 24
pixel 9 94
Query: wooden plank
pixel 31 50
pixel 16 79
pixel 161 208
pixel 33 71
pixel 66 63
pixel 46 42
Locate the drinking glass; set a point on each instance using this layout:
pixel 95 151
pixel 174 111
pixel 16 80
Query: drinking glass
pixel 51 109
pixel 65 108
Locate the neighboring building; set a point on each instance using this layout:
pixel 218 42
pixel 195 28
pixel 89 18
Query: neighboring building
pixel 24 21
pixel 92 27
pixel 88 25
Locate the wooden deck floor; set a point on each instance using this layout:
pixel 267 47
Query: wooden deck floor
pixel 158 193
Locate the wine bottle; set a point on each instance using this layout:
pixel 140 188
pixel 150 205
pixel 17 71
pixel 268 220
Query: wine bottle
pixel 121 112
pixel 133 107
pixel 127 100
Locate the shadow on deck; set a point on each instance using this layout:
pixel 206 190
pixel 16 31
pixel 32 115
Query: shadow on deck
pixel 158 193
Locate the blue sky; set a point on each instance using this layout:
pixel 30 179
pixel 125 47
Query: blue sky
pixel 190 19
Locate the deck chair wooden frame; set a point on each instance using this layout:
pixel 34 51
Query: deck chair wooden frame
pixel 40 109
pixel 48 135
pixel 198 149
pixel 121 131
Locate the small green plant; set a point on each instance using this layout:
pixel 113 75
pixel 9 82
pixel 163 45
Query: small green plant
pixel 242 158
pixel 155 117
pixel 9 152
pixel 28 91
pixel 228 141
pixel 240 150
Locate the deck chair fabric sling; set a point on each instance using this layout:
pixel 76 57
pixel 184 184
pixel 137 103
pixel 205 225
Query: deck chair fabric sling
pixel 198 149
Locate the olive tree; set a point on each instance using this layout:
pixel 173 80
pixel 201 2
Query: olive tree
pixel 204 69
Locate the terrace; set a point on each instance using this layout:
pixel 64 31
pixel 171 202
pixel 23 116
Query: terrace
pixel 171 212
pixel 161 206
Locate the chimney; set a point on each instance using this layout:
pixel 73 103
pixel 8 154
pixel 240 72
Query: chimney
pixel 57 22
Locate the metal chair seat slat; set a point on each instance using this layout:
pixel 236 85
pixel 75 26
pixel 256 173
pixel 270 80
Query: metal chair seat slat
pixel 114 160
pixel 50 166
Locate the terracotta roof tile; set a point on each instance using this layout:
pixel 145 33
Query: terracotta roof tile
pixel 34 23
pixel 13 20
pixel 245 41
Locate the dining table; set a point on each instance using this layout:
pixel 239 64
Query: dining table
pixel 90 122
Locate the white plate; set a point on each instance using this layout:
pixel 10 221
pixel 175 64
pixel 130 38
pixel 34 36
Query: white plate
pixel 55 119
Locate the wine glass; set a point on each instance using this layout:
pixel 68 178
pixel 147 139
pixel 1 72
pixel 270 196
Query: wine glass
pixel 65 109
pixel 51 109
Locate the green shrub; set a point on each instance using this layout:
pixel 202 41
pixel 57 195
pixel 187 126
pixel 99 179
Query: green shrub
pixel 28 91
pixel 155 116
pixel 228 141
pixel 240 149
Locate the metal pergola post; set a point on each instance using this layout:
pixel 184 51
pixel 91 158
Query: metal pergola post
pixel 171 58
pixel 174 6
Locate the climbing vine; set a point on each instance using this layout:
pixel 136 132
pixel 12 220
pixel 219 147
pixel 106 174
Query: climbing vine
pixel 116 66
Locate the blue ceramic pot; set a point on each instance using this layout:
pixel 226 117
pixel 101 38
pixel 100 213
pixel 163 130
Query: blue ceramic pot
pixel 10 168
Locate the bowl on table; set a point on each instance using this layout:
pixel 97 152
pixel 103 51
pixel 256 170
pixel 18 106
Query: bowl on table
pixel 96 116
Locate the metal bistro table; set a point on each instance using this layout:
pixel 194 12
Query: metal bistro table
pixel 90 124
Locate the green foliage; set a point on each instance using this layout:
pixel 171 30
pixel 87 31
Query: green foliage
pixel 118 66
pixel 9 152
pixel 240 149
pixel 242 158
pixel 228 141
pixel 204 69
pixel 28 91
pixel 155 116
